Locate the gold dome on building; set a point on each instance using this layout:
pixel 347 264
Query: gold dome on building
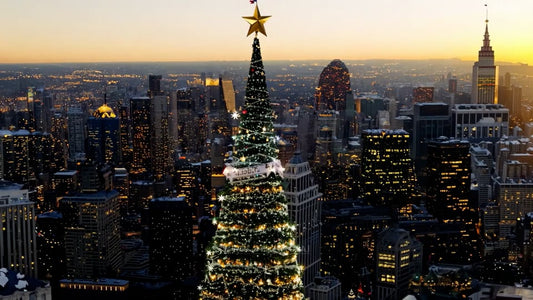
pixel 104 111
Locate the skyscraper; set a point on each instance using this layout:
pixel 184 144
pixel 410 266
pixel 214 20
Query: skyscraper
pixel 449 198
pixel 171 238
pixel 398 258
pixel 50 245
pixel 430 121
pixel 327 143
pixel 15 158
pixel 485 74
pixel 125 136
pixel 92 234
pixel 154 85
pixel 305 212
pixel 449 180
pixel 162 128
pixel 103 136
pixel 76 120
pixel 386 167
pixel 43 158
pixel 160 136
pixel 18 244
pixel 141 132
pixel 333 84
pixel 253 255
pixel 186 182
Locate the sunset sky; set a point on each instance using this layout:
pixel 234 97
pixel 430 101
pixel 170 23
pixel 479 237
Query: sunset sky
pixel 211 30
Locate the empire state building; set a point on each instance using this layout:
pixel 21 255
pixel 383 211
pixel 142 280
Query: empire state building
pixel 485 74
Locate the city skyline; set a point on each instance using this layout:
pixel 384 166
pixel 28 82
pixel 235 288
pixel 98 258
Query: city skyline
pixel 124 31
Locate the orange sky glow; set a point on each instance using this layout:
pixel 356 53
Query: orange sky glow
pixel 33 31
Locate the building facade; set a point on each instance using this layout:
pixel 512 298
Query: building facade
pixel 333 84
pixel 485 74
pixel 449 168
pixel 18 244
pixel 304 211
pixel 398 258
pixel 92 234
pixel 430 121
pixel 386 167
pixel 76 120
pixel 171 242
pixel 103 136
pixel 141 136
pixel 480 122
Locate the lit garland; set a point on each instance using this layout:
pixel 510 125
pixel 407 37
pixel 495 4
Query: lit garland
pixel 253 254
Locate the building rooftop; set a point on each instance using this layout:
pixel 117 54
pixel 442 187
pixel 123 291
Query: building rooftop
pixel 296 158
pixel 385 131
pixel 446 140
pixel 8 185
pixel 92 196
pixel 20 132
pixel 169 199
pixel 142 182
pixel 66 173
pixel 430 104
pixel 100 281
pixel 479 107
pixel 104 112
pixel 50 215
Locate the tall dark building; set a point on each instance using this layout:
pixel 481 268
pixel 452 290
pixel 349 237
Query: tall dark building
pixel 387 172
pixel 449 198
pixel 510 96
pixel 125 136
pixel 58 131
pixel 24 155
pixel 449 179
pixel 186 183
pixel 51 245
pixel 154 85
pixel 348 238
pixel 171 239
pixel 76 121
pixel 161 160
pixel 333 84
pixel 141 135
pixel 42 154
pixel 15 158
pixel 103 136
pixel 92 234
pixel 430 121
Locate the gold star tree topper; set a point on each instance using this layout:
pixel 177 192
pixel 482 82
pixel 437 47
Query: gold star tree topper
pixel 256 22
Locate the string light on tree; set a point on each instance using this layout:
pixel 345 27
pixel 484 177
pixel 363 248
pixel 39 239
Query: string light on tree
pixel 253 254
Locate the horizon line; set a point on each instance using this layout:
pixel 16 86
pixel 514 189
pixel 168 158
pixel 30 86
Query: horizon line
pixel 237 60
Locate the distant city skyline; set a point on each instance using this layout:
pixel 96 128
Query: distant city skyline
pixel 163 30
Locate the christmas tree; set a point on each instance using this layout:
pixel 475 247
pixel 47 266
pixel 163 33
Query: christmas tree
pixel 253 255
